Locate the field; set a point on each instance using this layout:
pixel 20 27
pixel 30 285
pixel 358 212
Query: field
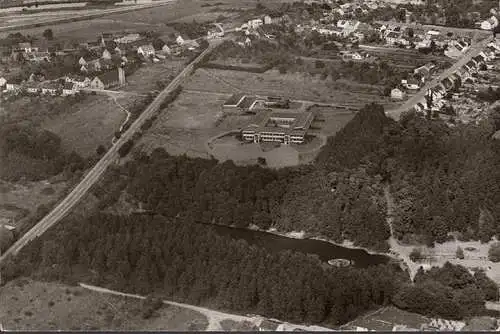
pixel 32 305
pixel 186 125
pixel 87 125
pixel 301 87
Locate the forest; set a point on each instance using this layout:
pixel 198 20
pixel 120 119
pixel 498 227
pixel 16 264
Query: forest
pixel 34 154
pixel 188 262
pixel 443 179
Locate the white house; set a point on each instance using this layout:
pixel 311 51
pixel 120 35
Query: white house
pixel 490 23
pixel 106 54
pixel 146 50
pixel 411 83
pixel 273 19
pixel 69 88
pixel 255 23
pixel 179 40
pixel 3 82
pixel 398 94
pixel 129 38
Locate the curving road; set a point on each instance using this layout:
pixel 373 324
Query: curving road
pixel 411 102
pixel 94 174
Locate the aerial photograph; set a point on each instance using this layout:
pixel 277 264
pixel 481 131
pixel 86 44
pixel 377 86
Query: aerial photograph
pixel 249 165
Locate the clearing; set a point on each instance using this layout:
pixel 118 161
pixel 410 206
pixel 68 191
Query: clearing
pixel 33 305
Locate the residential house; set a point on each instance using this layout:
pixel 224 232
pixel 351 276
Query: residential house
pixel 255 23
pixel 78 81
pixel 3 82
pixel 50 88
pixel 69 88
pixel 274 19
pixel 90 64
pixel 119 51
pixel 32 88
pixel 106 54
pixel 108 79
pixel 146 50
pixel 27 47
pixel 129 38
pixel 13 85
pixel 393 38
pixel 424 71
pixel 350 27
pixel 398 94
pixel 411 83
pixel 179 40
pixel 471 66
pixel 490 23
pixel 215 31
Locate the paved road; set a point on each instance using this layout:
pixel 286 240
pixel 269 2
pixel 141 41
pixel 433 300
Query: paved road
pixel 411 102
pixel 94 174
pixel 88 16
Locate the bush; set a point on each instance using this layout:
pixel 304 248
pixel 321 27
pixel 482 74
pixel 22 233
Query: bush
pixel 460 253
pixel 125 148
pixel 416 255
pixel 319 64
pixel 494 252
pixel 150 305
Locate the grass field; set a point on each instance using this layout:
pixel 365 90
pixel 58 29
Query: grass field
pixel 293 85
pixel 87 125
pixel 33 305
pixel 186 125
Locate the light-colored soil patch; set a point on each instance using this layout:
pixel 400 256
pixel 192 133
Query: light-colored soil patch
pixel 32 305
pixel 87 125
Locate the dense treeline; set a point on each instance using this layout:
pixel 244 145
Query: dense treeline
pixel 356 141
pixel 450 292
pixel 191 263
pixel 344 205
pixel 445 179
pixel 34 154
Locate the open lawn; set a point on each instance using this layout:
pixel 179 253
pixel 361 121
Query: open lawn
pixel 87 125
pixel 33 305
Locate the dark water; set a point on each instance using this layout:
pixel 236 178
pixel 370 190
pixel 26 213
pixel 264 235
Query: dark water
pixel 324 250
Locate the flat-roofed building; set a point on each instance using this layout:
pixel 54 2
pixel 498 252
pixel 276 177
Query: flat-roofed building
pixel 277 126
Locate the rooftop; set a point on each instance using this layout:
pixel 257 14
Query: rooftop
pixel 234 99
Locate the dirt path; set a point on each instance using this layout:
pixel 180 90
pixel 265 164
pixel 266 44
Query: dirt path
pixel 395 247
pixel 214 317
